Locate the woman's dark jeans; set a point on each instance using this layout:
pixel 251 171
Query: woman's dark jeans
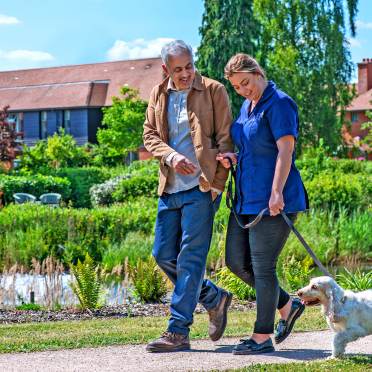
pixel 252 254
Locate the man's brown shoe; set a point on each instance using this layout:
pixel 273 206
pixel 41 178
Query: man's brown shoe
pixel 169 341
pixel 218 317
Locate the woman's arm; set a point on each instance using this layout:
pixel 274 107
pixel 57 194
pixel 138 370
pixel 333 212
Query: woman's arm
pixel 283 166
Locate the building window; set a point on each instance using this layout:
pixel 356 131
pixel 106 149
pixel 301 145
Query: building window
pixel 354 117
pixel 43 125
pixel 17 120
pixel 67 121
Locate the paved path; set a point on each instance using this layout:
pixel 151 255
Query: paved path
pixel 205 355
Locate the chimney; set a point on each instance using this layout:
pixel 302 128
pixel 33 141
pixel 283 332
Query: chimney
pixel 365 75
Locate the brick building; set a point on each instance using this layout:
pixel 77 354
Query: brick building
pixel 71 97
pixel 356 111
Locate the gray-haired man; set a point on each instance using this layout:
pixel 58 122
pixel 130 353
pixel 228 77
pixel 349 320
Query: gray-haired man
pixel 187 124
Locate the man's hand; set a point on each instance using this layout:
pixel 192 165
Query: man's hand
pixel 221 158
pixel 182 165
pixel 214 195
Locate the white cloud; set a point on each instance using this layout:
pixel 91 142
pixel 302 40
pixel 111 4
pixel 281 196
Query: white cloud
pixel 364 25
pixel 354 43
pixel 8 20
pixel 25 55
pixel 136 49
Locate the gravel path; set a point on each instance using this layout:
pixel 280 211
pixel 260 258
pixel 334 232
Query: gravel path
pixel 204 356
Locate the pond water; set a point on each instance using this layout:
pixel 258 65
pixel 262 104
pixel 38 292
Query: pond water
pixel 49 290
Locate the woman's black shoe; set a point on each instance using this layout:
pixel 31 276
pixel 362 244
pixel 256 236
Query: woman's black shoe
pixel 284 327
pixel 249 347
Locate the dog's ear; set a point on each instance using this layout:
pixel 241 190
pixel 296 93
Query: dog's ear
pixel 334 303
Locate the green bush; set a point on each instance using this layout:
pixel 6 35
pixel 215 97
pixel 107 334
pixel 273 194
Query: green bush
pixel 81 180
pixel 29 307
pixel 357 281
pixel 136 186
pixel 333 190
pixel 148 281
pixel 29 231
pixel 136 245
pixel 334 236
pixel 87 283
pixel 59 150
pixel 35 184
pixel 228 280
pixel 144 182
pixel 296 274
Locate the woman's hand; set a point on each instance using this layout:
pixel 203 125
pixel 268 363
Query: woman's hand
pixel 221 158
pixel 276 203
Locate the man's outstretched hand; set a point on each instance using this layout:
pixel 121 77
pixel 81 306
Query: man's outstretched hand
pixel 182 165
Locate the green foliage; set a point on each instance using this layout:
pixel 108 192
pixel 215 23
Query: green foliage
pixel 68 234
pixel 140 178
pixel 228 27
pixel 297 273
pixel 228 280
pixel 357 281
pixel 136 245
pixel 87 283
pixel 333 190
pixel 334 236
pixel 304 49
pixel 136 186
pixel 149 283
pixel 29 307
pixel 122 124
pixel 367 140
pixel 36 185
pixel 59 150
pixel 81 180
pixel 316 160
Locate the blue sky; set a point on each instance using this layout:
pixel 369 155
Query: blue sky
pixel 40 33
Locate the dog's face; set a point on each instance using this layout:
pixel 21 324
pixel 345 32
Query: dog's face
pixel 317 292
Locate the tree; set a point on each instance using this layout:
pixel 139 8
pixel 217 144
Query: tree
pixel 57 151
pixel 122 124
pixel 304 49
pixel 8 140
pixel 228 27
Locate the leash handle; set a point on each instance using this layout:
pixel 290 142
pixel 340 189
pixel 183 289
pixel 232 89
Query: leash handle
pixel 230 200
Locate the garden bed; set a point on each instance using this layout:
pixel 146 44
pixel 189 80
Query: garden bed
pixel 119 311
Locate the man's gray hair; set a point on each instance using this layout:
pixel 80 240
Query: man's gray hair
pixel 175 48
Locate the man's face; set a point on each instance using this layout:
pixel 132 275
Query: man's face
pixel 181 70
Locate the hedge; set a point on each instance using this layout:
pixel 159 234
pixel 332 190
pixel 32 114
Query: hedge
pixel 35 185
pixel 81 180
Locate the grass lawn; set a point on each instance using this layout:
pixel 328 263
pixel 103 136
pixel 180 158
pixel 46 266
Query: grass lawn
pixel 92 333
pixel 355 364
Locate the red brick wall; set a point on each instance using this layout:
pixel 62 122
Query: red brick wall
pixel 355 128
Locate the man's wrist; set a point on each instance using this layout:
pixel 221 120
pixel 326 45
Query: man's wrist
pixel 170 157
pixel 217 191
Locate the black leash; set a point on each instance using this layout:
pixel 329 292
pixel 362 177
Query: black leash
pixel 230 202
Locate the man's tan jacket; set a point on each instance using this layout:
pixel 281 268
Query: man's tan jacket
pixel 210 118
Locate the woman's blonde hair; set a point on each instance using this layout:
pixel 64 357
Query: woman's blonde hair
pixel 243 63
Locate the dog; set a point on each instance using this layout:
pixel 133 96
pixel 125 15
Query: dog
pixel 348 314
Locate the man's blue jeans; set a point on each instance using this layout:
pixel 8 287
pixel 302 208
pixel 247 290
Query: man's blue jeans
pixel 182 238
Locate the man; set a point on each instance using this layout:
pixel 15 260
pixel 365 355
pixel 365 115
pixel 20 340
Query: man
pixel 187 124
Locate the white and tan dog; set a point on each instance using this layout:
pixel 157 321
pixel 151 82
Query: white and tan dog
pixel 348 314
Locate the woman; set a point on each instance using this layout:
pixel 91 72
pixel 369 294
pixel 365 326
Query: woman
pixel 265 134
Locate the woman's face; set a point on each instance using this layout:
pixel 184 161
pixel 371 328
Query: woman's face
pixel 248 85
